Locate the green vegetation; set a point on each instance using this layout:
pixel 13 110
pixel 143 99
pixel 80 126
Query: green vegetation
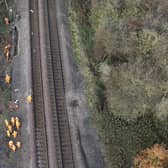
pixel 121 47
pixel 3 13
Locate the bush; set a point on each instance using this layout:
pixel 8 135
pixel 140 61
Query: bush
pixel 154 157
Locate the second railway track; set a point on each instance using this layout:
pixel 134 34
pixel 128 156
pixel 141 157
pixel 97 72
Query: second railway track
pixel 54 73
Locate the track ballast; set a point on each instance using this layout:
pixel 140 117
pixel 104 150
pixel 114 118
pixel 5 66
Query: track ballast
pixel 54 70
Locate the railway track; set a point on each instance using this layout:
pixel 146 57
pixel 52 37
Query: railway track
pixel 38 108
pixel 58 115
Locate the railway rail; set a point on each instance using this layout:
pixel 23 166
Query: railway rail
pixel 55 84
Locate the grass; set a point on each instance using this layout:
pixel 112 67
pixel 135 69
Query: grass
pixel 82 60
pixel 3 13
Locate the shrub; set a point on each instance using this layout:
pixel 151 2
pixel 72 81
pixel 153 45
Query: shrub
pixel 154 157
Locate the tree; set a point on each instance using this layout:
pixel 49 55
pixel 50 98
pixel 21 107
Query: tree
pixel 154 157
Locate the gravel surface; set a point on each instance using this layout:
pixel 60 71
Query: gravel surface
pixel 21 84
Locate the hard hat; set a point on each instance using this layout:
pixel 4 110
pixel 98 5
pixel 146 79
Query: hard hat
pixel 9 46
pixel 10 143
pixel 16 118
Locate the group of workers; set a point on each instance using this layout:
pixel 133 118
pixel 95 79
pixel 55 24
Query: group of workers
pixel 13 126
pixel 7 49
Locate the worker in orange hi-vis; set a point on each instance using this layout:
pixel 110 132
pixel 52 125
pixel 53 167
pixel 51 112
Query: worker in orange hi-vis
pixel 18 123
pixel 10 143
pixel 7 79
pixel 8 133
pixel 6 123
pixel 13 147
pixel 10 128
pixel 6 20
pixel 7 51
pixel 7 55
pixel 29 99
pixel 7 48
pixel 18 144
pixel 13 121
pixel 14 134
